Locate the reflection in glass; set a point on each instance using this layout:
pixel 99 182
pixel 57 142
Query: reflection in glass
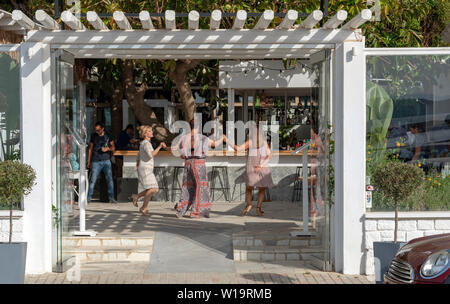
pixel 9 106
pixel 408 120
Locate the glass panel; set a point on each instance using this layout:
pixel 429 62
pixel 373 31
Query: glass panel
pixel 408 120
pixel 10 108
pixel 318 105
pixel 67 125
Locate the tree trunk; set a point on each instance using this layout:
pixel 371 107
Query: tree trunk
pixel 143 112
pixel 395 222
pixel 178 76
pixel 116 110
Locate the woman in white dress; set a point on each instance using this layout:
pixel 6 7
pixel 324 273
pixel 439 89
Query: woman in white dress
pixel 148 185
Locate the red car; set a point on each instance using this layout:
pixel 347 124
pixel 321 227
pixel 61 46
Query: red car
pixel 424 260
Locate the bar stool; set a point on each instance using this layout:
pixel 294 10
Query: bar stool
pixel 177 186
pixel 159 172
pixel 225 186
pixel 298 184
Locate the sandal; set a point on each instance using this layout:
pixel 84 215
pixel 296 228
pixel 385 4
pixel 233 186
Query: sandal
pixel 134 199
pixel 246 210
pixel 146 213
pixel 259 211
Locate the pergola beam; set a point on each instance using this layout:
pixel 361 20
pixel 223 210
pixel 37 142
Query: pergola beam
pixel 190 56
pixel 95 21
pixel 312 20
pixel 216 17
pixel 336 20
pixel 48 22
pixel 169 19
pixel 22 19
pixel 71 21
pixel 264 20
pixel 146 20
pixel 193 20
pixel 8 24
pixel 364 16
pixel 289 20
pixel 239 20
pixel 222 37
pixel 263 47
pixel 122 21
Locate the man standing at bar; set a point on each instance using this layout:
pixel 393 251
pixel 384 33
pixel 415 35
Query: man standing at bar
pixel 100 148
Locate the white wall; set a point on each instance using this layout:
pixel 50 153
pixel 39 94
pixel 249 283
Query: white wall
pixel 349 110
pixel 379 226
pixel 17 226
pixel 36 117
pixel 269 79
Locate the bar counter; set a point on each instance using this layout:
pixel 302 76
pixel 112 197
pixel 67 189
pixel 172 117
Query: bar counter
pixel 283 165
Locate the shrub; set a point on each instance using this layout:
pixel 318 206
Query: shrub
pixel 397 181
pixel 16 180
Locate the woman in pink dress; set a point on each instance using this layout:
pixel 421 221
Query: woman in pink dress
pixel 195 194
pixel 257 172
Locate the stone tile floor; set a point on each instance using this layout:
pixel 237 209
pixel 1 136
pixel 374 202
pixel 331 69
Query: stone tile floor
pixel 122 219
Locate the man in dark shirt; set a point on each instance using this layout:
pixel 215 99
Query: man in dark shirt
pixel 100 148
pixel 126 138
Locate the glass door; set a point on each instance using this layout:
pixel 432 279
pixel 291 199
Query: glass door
pixel 317 113
pixel 69 143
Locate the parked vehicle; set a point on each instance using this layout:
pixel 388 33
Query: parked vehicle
pixel 424 260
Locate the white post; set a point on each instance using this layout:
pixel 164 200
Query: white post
pixel 82 182
pixel 305 196
pixel 305 200
pixel 36 118
pixel 349 114
pixel 230 122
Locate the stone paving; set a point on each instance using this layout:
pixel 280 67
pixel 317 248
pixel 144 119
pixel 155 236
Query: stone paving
pixel 123 220
pixel 246 273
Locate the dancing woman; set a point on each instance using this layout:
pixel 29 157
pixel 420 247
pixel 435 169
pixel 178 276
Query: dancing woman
pixel 257 173
pixel 195 194
pixel 148 185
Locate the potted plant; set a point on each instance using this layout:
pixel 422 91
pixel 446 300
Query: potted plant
pixel 16 180
pixel 396 181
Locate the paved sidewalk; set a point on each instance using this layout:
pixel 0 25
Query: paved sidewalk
pixel 246 273
pixel 123 220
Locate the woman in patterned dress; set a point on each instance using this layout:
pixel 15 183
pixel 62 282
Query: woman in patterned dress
pixel 195 194
pixel 148 185
pixel 257 172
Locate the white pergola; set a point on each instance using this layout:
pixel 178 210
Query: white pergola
pixel 285 40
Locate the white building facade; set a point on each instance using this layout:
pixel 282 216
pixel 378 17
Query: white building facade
pixel 352 228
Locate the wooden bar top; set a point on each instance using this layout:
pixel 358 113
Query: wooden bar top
pixel 214 153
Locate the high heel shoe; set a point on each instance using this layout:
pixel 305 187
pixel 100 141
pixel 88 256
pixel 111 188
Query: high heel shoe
pixel 246 210
pixel 259 212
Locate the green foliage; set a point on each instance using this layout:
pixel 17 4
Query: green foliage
pixel 16 180
pixel 406 74
pixel 379 115
pixel 434 194
pixel 398 180
pixel 407 23
pixel 331 150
